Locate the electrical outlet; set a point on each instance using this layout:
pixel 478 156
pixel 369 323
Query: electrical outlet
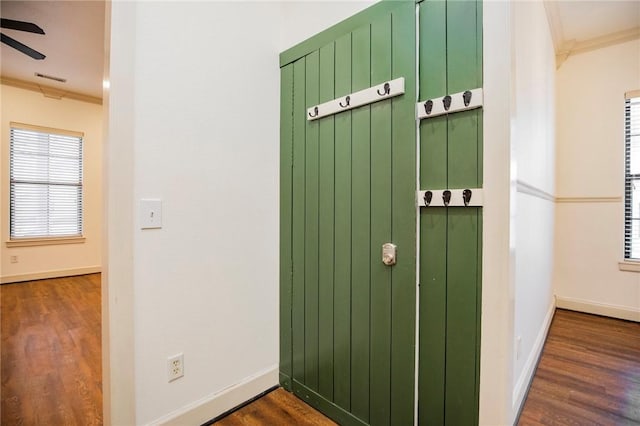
pixel 175 367
pixel 13 259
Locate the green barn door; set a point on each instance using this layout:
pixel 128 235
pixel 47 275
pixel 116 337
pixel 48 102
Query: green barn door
pixel 450 237
pixel 347 320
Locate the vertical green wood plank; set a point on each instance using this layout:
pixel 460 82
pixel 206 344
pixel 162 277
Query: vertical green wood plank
pixel 462 253
pixel 361 224
pixel 380 382
pixel 403 298
pixel 298 219
pixel 464 171
pixel 463 148
pixel 463 66
pixel 433 49
pixel 433 221
pixel 342 249
pixel 311 226
pixel 286 155
pixel 478 314
pixel 326 233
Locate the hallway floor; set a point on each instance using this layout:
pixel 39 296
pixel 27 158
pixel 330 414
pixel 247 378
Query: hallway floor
pixel 51 352
pixel 589 373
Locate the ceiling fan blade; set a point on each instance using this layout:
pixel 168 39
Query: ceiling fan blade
pixel 29 27
pixel 21 47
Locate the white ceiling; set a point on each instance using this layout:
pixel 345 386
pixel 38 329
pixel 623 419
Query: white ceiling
pixel 73 44
pixel 74 39
pixel 584 20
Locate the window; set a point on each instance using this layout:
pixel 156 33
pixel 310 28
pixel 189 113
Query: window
pixel 45 183
pixel 632 177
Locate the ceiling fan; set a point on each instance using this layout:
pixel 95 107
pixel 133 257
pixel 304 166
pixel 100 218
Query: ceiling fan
pixel 21 26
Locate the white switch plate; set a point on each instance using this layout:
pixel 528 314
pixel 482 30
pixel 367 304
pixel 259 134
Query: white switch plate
pixel 150 214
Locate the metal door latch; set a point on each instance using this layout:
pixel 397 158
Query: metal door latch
pixel 389 254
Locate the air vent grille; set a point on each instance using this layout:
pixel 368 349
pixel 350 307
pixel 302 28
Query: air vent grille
pixel 50 77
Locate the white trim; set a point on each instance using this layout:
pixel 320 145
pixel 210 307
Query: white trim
pixel 590 307
pixel 59 273
pixel 33 242
pixel 617 199
pixel 526 376
pixel 632 94
pixel 629 265
pixel 525 188
pixel 207 408
pixel 357 99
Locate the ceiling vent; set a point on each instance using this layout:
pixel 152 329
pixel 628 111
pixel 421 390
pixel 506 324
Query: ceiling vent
pixel 50 77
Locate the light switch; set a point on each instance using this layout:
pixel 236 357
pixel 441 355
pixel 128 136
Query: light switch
pixel 150 214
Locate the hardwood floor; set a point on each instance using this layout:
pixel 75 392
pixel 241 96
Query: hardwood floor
pixel 51 352
pixel 589 373
pixel 276 408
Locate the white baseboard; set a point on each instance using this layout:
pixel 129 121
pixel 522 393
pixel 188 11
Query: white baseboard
pixel 590 307
pixel 209 407
pixel 522 385
pixel 58 273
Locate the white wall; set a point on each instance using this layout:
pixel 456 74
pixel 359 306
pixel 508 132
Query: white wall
pixel 25 106
pixel 195 113
pixel 302 19
pixel 496 347
pixel 590 181
pixel 533 133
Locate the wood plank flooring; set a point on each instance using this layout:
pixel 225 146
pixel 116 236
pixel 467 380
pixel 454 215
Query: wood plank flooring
pixel 51 369
pixel 276 408
pixel 589 373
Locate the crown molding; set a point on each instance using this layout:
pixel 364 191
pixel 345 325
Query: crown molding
pixel 48 91
pixel 555 24
pixel 566 48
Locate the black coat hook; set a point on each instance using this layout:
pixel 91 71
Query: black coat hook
pixel 446 101
pixel 315 110
pixel 428 106
pixel 387 89
pixel 348 100
pixel 446 197
pixel 467 97
pixel 466 196
pixel 428 195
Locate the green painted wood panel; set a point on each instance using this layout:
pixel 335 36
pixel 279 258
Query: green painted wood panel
pixel 403 297
pixel 286 182
pixel 451 157
pixel 326 232
pixel 462 264
pixel 312 189
pixel 361 227
pixel 342 248
pixel 433 221
pixel 463 63
pixel 356 185
pixel 380 382
pixel 298 218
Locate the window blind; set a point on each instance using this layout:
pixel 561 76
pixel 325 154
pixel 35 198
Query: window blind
pixel 632 178
pixel 45 184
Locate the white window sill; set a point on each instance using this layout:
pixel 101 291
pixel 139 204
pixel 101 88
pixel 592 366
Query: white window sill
pixel 629 265
pixel 30 242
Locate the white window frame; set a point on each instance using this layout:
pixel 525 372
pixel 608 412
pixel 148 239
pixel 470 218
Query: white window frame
pixel 631 110
pixel 35 240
